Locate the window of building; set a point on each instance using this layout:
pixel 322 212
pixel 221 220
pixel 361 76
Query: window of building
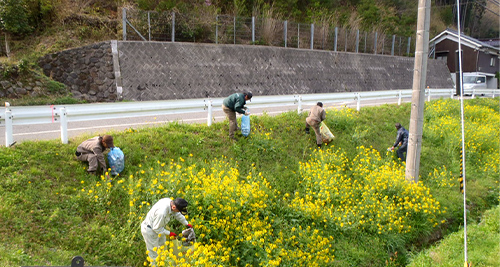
pixel 442 57
pixel 492 62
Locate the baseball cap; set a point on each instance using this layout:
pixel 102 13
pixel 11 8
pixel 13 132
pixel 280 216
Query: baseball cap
pixel 249 95
pixel 181 205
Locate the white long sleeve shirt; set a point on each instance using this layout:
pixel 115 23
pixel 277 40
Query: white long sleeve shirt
pixel 160 214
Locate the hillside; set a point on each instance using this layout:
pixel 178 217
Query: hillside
pixel 31 28
pixel 270 199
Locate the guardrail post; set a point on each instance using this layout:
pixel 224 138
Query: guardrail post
pixel 209 117
pixel 493 91
pixel 399 98
pixel 473 93
pixel 451 95
pixel 64 126
pixel 358 104
pixel 9 140
pixel 299 107
pixel 428 92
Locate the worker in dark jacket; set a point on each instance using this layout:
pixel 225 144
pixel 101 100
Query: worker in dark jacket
pixel 402 141
pixel 232 104
pixel 92 150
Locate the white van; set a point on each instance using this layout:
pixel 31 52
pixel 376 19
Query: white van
pixel 474 81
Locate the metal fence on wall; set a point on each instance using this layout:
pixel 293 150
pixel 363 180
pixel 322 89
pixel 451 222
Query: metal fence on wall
pixel 224 29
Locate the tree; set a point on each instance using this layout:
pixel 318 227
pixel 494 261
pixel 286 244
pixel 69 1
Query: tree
pixel 13 20
pixel 14 17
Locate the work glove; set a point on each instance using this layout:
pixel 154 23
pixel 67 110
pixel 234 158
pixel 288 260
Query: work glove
pixel 172 234
pixel 247 112
pixel 189 225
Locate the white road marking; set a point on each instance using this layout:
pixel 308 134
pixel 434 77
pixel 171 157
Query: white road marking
pixel 131 124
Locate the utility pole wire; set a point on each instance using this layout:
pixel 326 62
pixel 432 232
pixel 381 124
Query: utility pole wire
pixel 463 135
pixel 486 8
pixel 494 2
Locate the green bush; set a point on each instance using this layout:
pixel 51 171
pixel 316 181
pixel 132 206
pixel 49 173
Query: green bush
pixel 55 87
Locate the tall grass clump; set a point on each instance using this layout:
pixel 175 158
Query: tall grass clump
pixel 442 130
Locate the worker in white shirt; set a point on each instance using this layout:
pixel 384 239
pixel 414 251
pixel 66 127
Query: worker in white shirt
pixel 153 227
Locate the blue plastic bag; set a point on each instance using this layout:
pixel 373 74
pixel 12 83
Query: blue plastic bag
pixel 245 125
pixel 116 160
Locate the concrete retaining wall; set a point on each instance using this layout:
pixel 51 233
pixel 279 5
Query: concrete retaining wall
pixel 164 70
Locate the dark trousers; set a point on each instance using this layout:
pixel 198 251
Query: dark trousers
pixel 402 151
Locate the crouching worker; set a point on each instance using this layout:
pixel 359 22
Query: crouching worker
pixel 402 141
pixel 153 227
pixel 316 115
pixel 92 150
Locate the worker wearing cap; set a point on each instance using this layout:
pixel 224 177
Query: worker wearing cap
pixel 316 115
pixel 153 227
pixel 92 150
pixel 402 141
pixel 232 104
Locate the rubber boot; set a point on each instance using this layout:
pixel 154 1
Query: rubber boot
pixel 307 130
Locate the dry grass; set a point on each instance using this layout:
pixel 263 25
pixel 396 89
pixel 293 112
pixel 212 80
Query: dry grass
pixel 272 26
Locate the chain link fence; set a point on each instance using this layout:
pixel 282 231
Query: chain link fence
pixel 224 29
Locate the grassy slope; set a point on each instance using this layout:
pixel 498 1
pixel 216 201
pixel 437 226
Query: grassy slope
pixel 483 245
pixel 42 222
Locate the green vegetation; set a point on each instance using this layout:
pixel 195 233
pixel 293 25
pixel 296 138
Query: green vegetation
pixel 30 29
pixel 43 90
pixel 267 199
pixel 482 243
pixel 45 26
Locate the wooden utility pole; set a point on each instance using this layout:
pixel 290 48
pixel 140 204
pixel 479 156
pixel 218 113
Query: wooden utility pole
pixel 418 95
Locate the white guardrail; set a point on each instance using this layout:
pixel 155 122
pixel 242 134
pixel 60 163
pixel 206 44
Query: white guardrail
pixel 27 115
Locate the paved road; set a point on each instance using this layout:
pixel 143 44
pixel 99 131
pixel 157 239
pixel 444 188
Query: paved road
pixel 52 131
